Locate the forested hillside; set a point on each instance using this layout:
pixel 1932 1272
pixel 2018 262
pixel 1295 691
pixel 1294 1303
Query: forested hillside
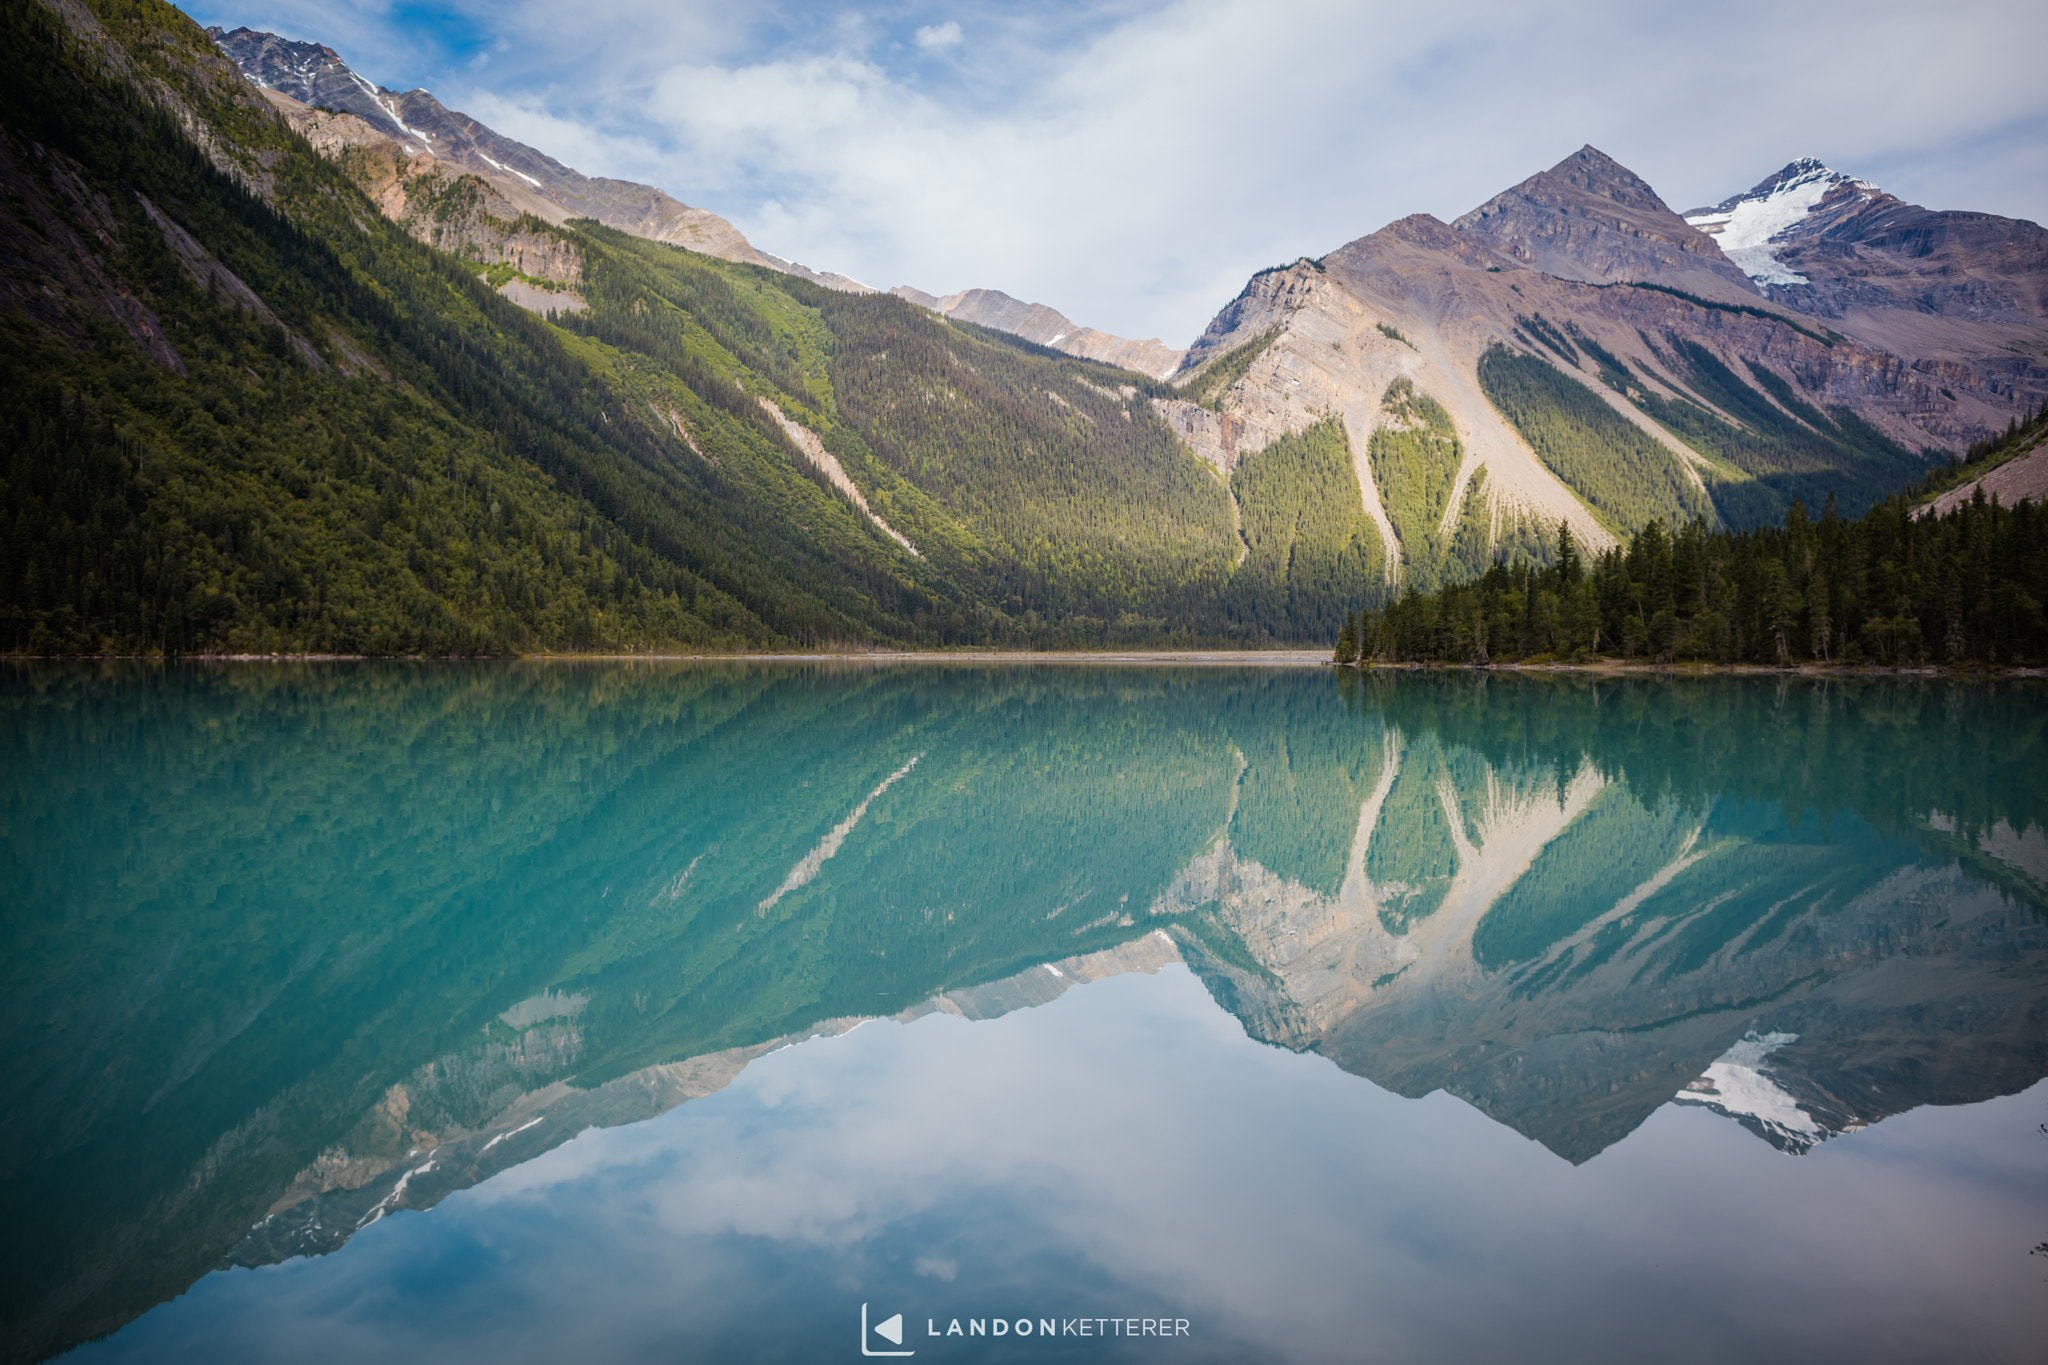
pixel 1901 585
pixel 325 436
pixel 246 413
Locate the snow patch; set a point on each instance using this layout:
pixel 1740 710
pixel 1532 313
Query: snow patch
pixel 397 1193
pixel 510 170
pixel 1738 1086
pixel 1744 227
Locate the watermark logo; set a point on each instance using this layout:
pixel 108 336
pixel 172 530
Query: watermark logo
pixel 890 1329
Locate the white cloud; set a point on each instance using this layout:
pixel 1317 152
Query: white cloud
pixel 1132 162
pixel 1129 1145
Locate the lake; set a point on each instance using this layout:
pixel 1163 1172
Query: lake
pixel 1018 1012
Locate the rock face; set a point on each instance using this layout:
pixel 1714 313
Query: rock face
pixel 529 181
pixel 1590 218
pixel 471 216
pixel 1048 327
pixel 2018 480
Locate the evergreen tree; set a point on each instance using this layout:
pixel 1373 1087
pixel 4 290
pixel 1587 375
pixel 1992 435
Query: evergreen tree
pixel 1347 641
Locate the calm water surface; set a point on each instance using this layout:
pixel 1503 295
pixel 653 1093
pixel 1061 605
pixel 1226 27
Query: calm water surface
pixel 685 1013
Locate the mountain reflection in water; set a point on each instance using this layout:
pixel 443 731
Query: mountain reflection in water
pixel 291 950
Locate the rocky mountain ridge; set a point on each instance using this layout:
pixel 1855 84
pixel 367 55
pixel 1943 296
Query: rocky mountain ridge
pixel 1581 337
pixel 416 124
pixel 1048 327
pixel 1591 219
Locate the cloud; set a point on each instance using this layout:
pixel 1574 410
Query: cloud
pixel 1129 1146
pixel 1131 162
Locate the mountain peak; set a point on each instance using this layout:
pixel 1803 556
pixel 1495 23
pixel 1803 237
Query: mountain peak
pixel 1778 207
pixel 1594 172
pixel 1593 219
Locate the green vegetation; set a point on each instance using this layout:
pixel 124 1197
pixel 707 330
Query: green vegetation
pixel 1540 327
pixel 1623 474
pixel 416 466
pixel 1892 588
pixel 1044 493
pixel 1768 456
pixel 1393 333
pixel 1310 549
pixel 1208 385
pixel 367 450
pixel 1777 455
pixel 1415 454
pixel 474 488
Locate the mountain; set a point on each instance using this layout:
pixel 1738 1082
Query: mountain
pixel 1048 327
pixel 1746 225
pixel 283 401
pixel 1574 351
pixel 386 1171
pixel 1568 948
pixel 416 124
pixel 1834 246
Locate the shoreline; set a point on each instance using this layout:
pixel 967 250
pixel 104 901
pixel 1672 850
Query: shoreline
pixel 1624 667
pixel 1206 658
pixel 1269 658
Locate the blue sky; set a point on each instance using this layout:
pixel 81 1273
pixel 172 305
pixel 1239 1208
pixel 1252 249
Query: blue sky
pixel 1131 163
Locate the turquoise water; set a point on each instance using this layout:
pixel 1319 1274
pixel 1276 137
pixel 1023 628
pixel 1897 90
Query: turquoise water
pixel 622 1012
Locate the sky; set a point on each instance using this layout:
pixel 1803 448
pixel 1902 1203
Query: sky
pixel 1127 1150
pixel 1132 162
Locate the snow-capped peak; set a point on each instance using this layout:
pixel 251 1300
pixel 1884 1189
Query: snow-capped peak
pixel 1746 225
pixel 1739 1085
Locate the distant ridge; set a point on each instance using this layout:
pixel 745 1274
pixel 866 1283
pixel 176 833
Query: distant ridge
pixel 1049 327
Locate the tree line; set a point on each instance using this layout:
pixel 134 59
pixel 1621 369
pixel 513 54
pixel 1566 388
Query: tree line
pixel 1898 586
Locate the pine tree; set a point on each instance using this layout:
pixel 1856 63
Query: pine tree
pixel 1347 641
